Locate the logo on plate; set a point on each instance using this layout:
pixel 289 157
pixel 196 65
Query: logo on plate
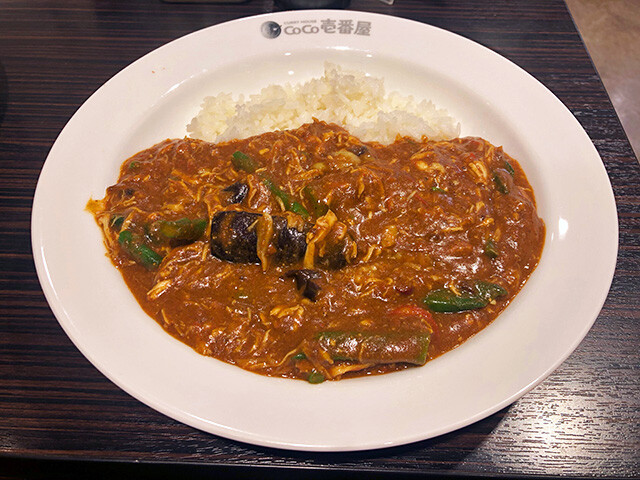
pixel 331 26
pixel 270 29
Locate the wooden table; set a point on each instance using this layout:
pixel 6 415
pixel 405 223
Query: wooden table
pixel 59 415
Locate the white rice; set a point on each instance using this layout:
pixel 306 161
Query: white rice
pixel 349 98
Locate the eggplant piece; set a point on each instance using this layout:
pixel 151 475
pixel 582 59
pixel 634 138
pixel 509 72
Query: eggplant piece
pixel 236 192
pixel 358 150
pixel 234 238
pixel 335 257
pixel 290 243
pixel 306 282
pixel 338 247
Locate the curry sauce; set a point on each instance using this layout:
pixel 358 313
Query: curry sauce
pixel 309 254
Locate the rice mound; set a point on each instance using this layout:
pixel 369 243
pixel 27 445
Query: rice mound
pixel 348 98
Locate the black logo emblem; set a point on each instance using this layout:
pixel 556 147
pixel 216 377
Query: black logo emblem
pixel 270 29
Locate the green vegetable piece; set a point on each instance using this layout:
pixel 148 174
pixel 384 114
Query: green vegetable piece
pixel 490 249
pixel 364 347
pixel 183 229
pixel 319 208
pixel 489 291
pixel 297 207
pixel 299 356
pixel 509 168
pixel 435 188
pixel 315 377
pixel 133 165
pixel 288 202
pixel 274 189
pixel 242 161
pixel 500 184
pixel 140 252
pixel 277 191
pixel 116 221
pixel 444 300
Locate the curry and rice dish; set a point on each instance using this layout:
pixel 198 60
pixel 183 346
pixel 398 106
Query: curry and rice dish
pixel 309 254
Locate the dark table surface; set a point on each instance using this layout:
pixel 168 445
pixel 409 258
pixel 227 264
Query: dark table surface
pixel 60 417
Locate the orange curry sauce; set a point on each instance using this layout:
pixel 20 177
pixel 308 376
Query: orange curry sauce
pixel 310 254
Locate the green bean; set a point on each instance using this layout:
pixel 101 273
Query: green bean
pixel 242 161
pixel 489 291
pixel 319 208
pixel 289 203
pixel 501 185
pixel 491 249
pixel 140 252
pixel 183 229
pixel 116 221
pixel 509 168
pixel 315 377
pixel 444 300
pixel 364 347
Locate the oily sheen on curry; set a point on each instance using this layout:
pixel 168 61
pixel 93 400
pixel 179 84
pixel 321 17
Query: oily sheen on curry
pixel 309 254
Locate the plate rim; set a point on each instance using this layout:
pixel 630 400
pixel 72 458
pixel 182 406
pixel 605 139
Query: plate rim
pixel 60 312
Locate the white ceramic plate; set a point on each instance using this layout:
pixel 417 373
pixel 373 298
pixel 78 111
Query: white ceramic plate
pixel 157 96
